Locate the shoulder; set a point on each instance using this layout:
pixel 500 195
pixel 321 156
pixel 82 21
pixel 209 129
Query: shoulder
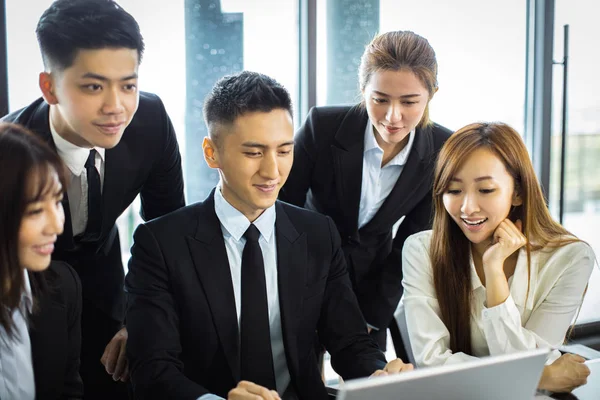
pixel 63 282
pixel 25 114
pixel 419 242
pixel 325 121
pixel 577 252
pixel 150 113
pixel 316 226
pixel 439 135
pixel 181 222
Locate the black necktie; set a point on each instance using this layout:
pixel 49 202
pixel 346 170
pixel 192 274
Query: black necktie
pixel 94 222
pixel 255 342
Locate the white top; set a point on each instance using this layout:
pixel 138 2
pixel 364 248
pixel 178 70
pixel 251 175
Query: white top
pixel 558 279
pixel 378 181
pixel 77 191
pixel 16 364
pixel 233 225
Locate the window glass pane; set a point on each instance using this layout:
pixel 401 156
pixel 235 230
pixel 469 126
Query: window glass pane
pixel 582 174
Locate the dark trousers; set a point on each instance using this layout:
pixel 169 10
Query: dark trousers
pixel 97 329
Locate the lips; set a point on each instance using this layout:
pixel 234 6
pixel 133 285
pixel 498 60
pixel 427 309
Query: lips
pixel 266 188
pixel 474 224
pixel 392 129
pixel 110 129
pixel 44 249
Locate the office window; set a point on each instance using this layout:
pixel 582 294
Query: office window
pixel 189 45
pixel 582 174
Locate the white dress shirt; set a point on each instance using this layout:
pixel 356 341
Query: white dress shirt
pixel 525 321
pixel 77 192
pixel 378 181
pixel 16 364
pixel 233 225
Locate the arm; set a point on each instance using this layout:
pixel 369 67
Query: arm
pixel 298 183
pixel 387 290
pixel 153 325
pixel 73 386
pixel 163 190
pixel 341 326
pixel 548 323
pixel 429 337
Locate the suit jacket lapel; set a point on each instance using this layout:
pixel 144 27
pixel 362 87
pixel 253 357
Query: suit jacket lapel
pixel 117 165
pixel 348 164
pixel 209 256
pixel 413 181
pixel 291 271
pixel 40 124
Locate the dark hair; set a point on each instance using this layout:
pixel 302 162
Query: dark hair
pixel 399 51
pixel 245 92
pixel 68 26
pixel 450 248
pixel 25 160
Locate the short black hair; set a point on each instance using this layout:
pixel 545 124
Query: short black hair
pixel 68 26
pixel 241 93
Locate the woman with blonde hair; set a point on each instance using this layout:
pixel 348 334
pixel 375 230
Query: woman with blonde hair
pixel 370 165
pixel 496 274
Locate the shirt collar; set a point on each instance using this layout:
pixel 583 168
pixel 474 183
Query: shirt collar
pixel 73 156
pixel 371 144
pixel 26 296
pixel 236 223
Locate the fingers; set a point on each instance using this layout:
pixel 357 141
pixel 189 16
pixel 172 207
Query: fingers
pixel 121 362
pixel 379 372
pixel 110 356
pixel 396 366
pixel 125 376
pixel 248 390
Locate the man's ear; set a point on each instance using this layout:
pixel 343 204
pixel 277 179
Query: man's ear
pixel 46 82
pixel 211 155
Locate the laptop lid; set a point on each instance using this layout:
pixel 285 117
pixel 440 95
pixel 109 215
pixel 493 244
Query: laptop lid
pixel 509 376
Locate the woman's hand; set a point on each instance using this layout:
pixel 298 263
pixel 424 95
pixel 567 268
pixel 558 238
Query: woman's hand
pixel 568 372
pixel 507 239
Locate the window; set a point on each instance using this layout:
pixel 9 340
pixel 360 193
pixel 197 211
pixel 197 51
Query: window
pixel 582 174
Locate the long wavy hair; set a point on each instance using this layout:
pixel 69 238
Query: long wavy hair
pixel 450 247
pixel 25 165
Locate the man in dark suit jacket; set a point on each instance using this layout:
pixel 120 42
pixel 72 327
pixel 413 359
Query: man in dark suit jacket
pixel 194 333
pixel 55 332
pixel 116 144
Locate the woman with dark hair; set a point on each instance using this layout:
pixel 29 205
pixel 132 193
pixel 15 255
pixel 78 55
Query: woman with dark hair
pixel 40 301
pixel 370 166
pixel 496 274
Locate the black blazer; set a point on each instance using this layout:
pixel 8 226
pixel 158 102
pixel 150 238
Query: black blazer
pixel 147 162
pixel 55 332
pixel 182 321
pixel 328 161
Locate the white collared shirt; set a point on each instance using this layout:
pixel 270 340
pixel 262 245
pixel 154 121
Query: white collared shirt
pixel 378 181
pixel 233 225
pixel 524 321
pixel 16 364
pixel 75 157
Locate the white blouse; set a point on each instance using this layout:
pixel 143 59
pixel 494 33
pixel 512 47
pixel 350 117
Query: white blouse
pixel 558 279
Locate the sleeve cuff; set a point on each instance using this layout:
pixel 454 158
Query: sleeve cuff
pixel 508 309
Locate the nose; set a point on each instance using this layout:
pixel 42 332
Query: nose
pixel 113 102
pixel 394 113
pixel 268 167
pixel 55 222
pixel 469 205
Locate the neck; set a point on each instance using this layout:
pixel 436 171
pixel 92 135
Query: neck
pixel 390 150
pixel 57 123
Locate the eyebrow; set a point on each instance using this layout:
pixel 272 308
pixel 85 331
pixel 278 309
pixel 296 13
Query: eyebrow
pixel 405 96
pixel 91 75
pixel 263 146
pixel 479 179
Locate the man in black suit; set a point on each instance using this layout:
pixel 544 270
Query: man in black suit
pixel 116 143
pixel 227 296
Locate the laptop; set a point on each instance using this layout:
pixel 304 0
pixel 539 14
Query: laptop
pixel 509 376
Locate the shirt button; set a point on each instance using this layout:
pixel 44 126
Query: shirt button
pixel 485 313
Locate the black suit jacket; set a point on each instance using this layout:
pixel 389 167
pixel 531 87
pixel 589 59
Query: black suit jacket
pixel 328 161
pixel 182 321
pixel 55 332
pixel 147 162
